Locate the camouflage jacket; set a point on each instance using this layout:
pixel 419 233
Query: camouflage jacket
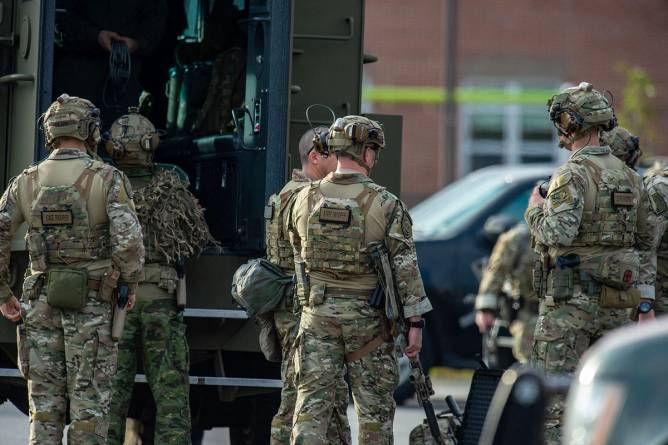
pixel 387 221
pixel 127 250
pixel 656 182
pixel 558 222
pixel 511 262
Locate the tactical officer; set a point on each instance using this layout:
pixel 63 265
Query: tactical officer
pixel 315 166
pixel 84 240
pixel 174 229
pixel 589 231
pixel 335 223
pixel 656 182
pixel 510 263
pixel 625 146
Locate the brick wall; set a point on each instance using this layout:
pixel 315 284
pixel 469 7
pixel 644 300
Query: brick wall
pixel 567 40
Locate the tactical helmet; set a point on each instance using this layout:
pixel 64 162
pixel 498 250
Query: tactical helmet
pixel 72 117
pixel 624 145
pixel 351 134
pixel 132 140
pixel 577 110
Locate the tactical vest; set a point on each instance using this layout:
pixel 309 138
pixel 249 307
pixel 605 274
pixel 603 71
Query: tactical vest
pixel 59 230
pixel 336 231
pixel 610 207
pixel 157 270
pixel 659 204
pixel 279 249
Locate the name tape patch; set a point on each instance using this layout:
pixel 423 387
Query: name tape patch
pixel 339 216
pixel 57 218
pixel 622 199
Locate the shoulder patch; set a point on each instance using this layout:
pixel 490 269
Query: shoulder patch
pixel 658 202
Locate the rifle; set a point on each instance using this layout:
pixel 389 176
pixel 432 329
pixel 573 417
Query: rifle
pixel 393 311
pixel 424 390
pixel 119 314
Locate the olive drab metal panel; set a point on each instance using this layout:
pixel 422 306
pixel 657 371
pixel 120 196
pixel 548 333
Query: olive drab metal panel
pixel 27 83
pixel 327 51
pixel 7 56
pixel 388 171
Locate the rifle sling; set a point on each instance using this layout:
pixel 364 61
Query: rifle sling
pixel 365 350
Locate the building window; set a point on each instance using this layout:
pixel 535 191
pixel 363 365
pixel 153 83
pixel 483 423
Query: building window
pixel 511 133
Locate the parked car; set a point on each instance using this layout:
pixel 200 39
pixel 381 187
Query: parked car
pixel 450 239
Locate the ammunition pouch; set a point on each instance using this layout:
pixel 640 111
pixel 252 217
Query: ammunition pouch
pixel 538 277
pixel 561 284
pixel 67 288
pixel 302 283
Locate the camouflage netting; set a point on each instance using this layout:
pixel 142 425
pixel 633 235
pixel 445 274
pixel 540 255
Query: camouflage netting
pixel 173 220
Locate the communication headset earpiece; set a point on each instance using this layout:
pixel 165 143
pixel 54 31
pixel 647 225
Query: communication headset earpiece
pixel 320 134
pixel 320 140
pixel 150 141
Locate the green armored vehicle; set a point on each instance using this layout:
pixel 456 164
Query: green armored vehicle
pixel 293 53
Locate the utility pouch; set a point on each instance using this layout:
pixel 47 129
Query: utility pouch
pixel 317 295
pixel 612 298
pixel 560 284
pixel 109 284
pixel 67 288
pixel 619 270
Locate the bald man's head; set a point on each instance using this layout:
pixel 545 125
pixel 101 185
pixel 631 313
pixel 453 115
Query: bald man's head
pixel 306 144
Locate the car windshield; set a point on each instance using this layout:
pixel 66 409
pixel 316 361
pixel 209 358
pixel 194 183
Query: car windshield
pixel 446 212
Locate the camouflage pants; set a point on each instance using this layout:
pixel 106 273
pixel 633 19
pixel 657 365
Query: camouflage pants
pixel 338 431
pixel 563 332
pixel 156 329
pixel 68 355
pixel 322 344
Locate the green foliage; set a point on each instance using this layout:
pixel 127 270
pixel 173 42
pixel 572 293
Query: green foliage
pixel 636 112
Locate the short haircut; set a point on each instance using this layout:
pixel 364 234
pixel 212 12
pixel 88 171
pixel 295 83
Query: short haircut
pixel 306 144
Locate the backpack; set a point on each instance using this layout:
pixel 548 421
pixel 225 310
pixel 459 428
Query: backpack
pixel 259 286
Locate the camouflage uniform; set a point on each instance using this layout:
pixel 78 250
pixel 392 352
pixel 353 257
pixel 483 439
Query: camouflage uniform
pixel 596 212
pixel 656 183
pixel 511 263
pixel 333 223
pixel 80 215
pixel 174 228
pixel 286 321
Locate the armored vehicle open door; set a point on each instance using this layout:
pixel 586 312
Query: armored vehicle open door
pixel 295 53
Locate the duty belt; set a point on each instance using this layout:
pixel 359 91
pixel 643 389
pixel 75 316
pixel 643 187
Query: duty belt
pixel 359 294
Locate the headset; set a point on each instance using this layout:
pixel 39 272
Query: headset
pixel 320 135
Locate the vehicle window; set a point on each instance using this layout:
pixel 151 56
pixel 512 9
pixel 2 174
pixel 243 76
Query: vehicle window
pixel 516 207
pixel 447 211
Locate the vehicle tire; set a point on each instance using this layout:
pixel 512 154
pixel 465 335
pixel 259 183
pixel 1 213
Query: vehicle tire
pixel 254 426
